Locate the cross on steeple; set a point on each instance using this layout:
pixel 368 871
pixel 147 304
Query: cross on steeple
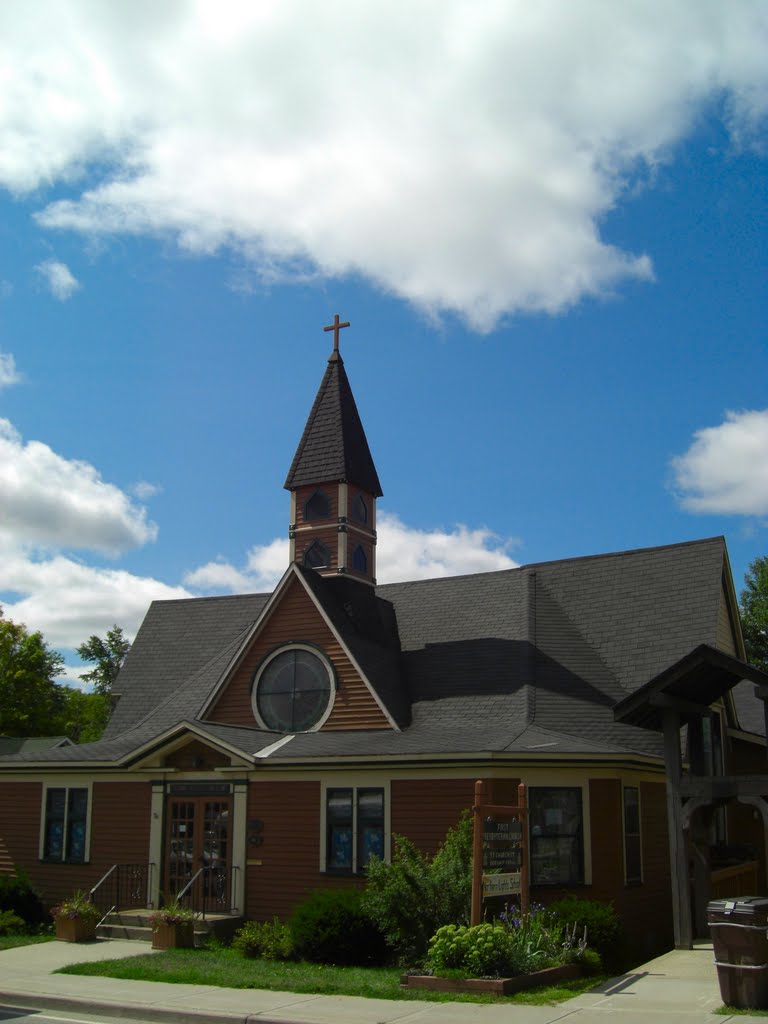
pixel 336 327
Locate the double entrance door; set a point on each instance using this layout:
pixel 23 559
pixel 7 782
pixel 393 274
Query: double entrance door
pixel 198 851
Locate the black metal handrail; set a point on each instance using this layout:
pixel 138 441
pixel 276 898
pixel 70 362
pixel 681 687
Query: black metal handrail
pixel 208 891
pixel 123 887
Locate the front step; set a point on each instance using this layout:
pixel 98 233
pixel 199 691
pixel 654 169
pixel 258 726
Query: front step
pixel 134 924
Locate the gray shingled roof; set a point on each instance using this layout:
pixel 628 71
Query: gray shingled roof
pixel 533 658
pixel 333 445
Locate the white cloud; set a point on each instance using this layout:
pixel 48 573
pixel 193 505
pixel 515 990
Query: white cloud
pixel 68 601
pixel 59 278
pixel 460 155
pixel 725 470
pixel 143 490
pixel 403 553
pixel 8 373
pixel 47 500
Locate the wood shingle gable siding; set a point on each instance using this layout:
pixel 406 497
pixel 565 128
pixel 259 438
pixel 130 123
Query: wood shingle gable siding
pixel 295 619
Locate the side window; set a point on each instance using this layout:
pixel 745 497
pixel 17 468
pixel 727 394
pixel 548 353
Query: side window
pixel 557 845
pixel 354 828
pixel 360 559
pixel 632 848
pixel 359 509
pixel 65 824
pixel 318 507
pixel 317 556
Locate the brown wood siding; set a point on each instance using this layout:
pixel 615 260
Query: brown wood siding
pixel 20 824
pixel 289 856
pixel 298 620
pixel 646 909
pixel 303 494
pixel 607 835
pixel 725 640
pixel 119 834
pixel 197 756
pixel 423 810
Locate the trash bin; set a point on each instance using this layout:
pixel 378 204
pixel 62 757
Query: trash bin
pixel 739 930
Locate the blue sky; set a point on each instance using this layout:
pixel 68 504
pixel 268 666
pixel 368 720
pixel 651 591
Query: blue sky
pixel 547 228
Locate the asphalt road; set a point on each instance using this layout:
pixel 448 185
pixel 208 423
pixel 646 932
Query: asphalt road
pixel 17 1015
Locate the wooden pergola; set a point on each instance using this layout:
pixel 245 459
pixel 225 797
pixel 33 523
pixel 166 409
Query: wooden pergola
pixel 683 695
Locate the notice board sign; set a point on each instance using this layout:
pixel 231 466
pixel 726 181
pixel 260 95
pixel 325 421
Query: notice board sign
pixel 500 850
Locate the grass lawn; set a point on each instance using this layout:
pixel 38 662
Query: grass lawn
pixel 11 941
pixel 228 969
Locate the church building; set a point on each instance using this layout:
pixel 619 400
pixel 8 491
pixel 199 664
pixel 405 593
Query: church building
pixel 265 745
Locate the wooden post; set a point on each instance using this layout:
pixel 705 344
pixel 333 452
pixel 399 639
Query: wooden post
pixel 678 846
pixel 522 803
pixel 477 852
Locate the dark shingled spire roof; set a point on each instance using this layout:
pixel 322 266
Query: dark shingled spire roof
pixel 333 445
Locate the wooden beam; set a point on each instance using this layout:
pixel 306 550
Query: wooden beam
pixel 685 707
pixel 678 845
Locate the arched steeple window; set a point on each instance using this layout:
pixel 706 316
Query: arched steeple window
pixel 360 560
pixel 318 507
pixel 317 556
pixel 359 509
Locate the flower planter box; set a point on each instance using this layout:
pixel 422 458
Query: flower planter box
pixel 497 986
pixel 173 936
pixel 76 929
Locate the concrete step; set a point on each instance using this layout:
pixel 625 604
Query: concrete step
pixel 135 924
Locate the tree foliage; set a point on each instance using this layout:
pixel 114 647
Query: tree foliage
pixel 108 655
pixel 30 699
pixel 754 612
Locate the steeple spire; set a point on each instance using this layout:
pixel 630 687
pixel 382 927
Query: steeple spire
pixel 333 481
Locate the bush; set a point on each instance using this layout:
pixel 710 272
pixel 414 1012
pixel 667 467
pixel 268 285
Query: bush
pixel 605 933
pixel 18 895
pixel 10 923
pixel 270 940
pixel 482 951
pixel 412 897
pixel 331 927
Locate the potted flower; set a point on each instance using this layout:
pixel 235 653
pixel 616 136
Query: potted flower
pixel 172 926
pixel 76 918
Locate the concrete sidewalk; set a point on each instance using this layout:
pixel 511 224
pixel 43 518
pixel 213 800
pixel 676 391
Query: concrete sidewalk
pixel 679 987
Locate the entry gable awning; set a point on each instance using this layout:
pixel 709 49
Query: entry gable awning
pixel 689 686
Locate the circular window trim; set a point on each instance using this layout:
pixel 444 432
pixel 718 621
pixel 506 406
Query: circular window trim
pixel 264 665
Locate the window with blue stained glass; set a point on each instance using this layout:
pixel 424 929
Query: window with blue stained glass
pixel 66 824
pixel 359 559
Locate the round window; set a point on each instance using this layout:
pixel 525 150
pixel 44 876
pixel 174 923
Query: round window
pixel 292 689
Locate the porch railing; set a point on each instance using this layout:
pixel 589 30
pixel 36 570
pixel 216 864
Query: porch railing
pixel 735 880
pixel 123 887
pixel 209 891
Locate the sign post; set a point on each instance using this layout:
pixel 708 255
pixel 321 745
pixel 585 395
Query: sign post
pixel 499 850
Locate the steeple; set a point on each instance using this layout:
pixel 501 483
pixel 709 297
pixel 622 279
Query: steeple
pixel 333 482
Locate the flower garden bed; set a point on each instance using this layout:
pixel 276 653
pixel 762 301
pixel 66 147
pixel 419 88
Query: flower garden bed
pixel 497 986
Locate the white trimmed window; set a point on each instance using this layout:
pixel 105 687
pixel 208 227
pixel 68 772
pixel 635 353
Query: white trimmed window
pixel 556 835
pixel 65 833
pixel 355 827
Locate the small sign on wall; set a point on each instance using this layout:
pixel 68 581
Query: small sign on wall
pixel 508 884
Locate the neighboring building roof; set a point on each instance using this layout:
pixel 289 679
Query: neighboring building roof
pixel 333 446
pixel 520 662
pixel 32 744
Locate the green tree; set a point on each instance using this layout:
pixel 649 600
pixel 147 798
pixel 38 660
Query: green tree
pixel 754 612
pixel 30 699
pixel 108 656
pixel 83 716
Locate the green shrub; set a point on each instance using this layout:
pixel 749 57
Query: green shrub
pixel 10 923
pixel 270 940
pixel 482 951
pixel 18 895
pixel 414 895
pixel 605 933
pixel 331 927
